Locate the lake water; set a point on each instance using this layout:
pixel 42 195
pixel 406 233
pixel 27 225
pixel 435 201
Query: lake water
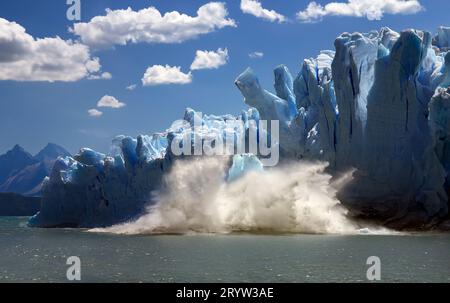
pixel 40 255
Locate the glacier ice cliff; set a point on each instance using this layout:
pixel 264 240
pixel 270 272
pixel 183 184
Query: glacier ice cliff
pixel 93 189
pixel 442 39
pixel 378 105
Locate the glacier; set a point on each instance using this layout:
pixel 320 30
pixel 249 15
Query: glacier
pixel 378 106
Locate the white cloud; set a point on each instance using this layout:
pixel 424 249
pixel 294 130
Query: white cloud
pixel 256 55
pixel 111 102
pixel 95 113
pixel 131 87
pixel 371 9
pixel 159 75
pixel 103 76
pixel 254 7
pixel 210 59
pixel 25 58
pixel 123 26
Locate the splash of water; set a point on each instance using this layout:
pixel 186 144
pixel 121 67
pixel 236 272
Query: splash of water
pixel 296 199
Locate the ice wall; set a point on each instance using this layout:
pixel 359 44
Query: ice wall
pixel 378 105
pixel 96 190
pixel 442 39
pixel 92 189
pixel 399 175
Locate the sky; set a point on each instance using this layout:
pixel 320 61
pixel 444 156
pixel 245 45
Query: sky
pixel 135 68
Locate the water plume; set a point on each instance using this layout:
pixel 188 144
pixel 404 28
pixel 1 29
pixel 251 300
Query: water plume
pixel 299 198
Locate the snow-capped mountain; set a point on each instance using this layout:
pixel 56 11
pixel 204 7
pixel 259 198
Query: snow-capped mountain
pixel 13 161
pixel 22 173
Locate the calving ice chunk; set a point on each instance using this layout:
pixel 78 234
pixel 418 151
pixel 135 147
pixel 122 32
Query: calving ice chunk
pixel 202 195
pixel 377 106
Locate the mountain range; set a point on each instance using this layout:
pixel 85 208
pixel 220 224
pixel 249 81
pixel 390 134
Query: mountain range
pixel 23 173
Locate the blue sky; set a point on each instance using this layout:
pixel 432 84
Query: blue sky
pixel 33 113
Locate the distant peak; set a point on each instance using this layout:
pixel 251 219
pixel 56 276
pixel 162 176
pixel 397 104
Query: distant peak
pixel 51 152
pixel 52 146
pixel 17 147
pixel 18 150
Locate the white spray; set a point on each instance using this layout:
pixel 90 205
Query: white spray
pixel 294 199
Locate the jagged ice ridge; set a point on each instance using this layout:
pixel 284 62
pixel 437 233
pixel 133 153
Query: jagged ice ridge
pixel 379 104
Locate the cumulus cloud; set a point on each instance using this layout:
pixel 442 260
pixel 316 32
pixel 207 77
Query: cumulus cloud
pixel 111 102
pixel 159 75
pixel 95 113
pixel 254 7
pixel 25 58
pixel 256 55
pixel 370 9
pixel 210 59
pixel 103 76
pixel 119 27
pixel 131 87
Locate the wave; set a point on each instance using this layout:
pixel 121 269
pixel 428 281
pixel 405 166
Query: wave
pixel 299 198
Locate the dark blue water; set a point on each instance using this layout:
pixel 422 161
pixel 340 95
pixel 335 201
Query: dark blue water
pixel 28 255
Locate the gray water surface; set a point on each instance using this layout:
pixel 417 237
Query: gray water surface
pixel 39 255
